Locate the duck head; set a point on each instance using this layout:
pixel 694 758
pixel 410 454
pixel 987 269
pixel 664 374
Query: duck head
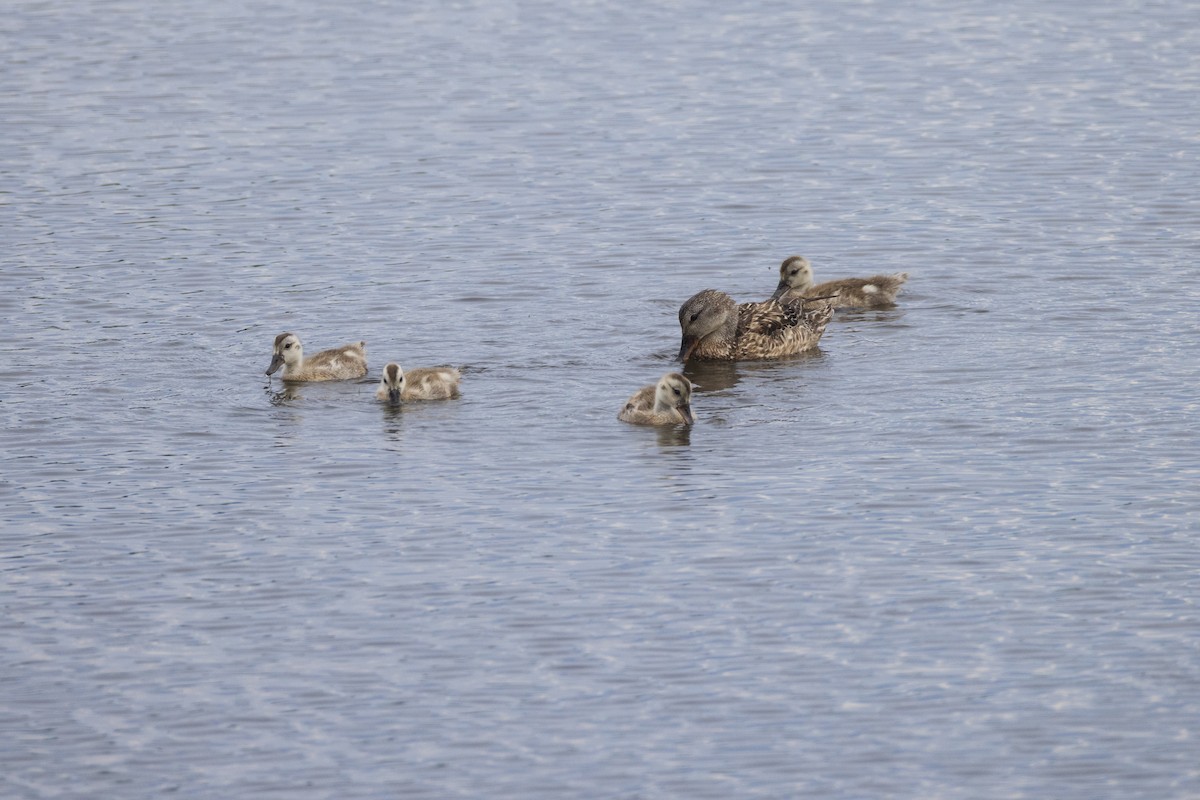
pixel 674 391
pixel 704 314
pixel 288 350
pixel 392 383
pixel 794 273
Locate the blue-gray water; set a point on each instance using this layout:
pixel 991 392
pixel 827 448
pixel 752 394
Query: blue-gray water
pixel 952 554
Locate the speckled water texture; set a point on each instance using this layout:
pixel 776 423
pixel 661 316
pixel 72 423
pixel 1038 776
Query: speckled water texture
pixel 950 554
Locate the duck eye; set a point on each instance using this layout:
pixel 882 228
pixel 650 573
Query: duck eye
pixel 694 316
pixel 676 391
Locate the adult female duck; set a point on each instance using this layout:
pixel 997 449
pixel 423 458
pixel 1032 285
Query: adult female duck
pixel 715 327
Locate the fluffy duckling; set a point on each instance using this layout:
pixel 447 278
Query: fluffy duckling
pixel 669 402
pixel 715 327
pixel 340 363
pixel 796 280
pixel 423 383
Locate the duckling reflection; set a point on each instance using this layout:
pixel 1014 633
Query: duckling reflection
pixel 796 281
pixel 669 402
pixel 423 383
pixel 671 436
pixel 716 328
pixel 289 392
pixel 339 363
pixel 393 420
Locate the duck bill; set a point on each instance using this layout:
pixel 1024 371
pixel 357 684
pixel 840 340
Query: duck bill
pixel 780 291
pixel 687 346
pixel 276 363
pixel 393 395
pixel 685 411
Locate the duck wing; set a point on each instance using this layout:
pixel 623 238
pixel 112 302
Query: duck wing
pixel 347 361
pixel 642 400
pixel 772 329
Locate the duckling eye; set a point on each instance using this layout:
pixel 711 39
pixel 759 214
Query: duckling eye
pixel 287 346
pixel 695 317
pixel 676 391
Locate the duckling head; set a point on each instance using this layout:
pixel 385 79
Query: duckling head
pixel 704 314
pixel 288 350
pixel 674 391
pixel 794 273
pixel 392 383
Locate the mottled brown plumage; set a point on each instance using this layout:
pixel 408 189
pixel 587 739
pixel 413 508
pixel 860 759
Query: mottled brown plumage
pixel 669 402
pixel 715 327
pixel 341 363
pixel 796 281
pixel 422 383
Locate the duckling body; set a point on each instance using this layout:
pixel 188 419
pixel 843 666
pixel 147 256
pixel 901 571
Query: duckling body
pixel 340 363
pixel 796 281
pixel 669 402
pixel 423 383
pixel 716 328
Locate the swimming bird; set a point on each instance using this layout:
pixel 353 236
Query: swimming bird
pixel 669 402
pixel 796 280
pixel 423 383
pixel 340 363
pixel 715 327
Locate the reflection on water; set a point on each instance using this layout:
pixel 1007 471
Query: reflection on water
pixel 711 376
pixel 881 315
pixel 717 376
pixel 393 416
pixel 283 392
pixel 674 435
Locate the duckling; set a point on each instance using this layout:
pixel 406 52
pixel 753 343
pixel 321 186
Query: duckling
pixel 423 383
pixel 796 280
pixel 340 363
pixel 667 403
pixel 715 327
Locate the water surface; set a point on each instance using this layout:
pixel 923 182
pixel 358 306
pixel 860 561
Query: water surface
pixel 952 553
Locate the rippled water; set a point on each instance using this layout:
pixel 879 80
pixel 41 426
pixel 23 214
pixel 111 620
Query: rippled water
pixel 951 554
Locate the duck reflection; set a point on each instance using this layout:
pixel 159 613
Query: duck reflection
pixel 289 392
pixel 393 417
pixel 871 315
pixel 711 376
pixel 674 436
